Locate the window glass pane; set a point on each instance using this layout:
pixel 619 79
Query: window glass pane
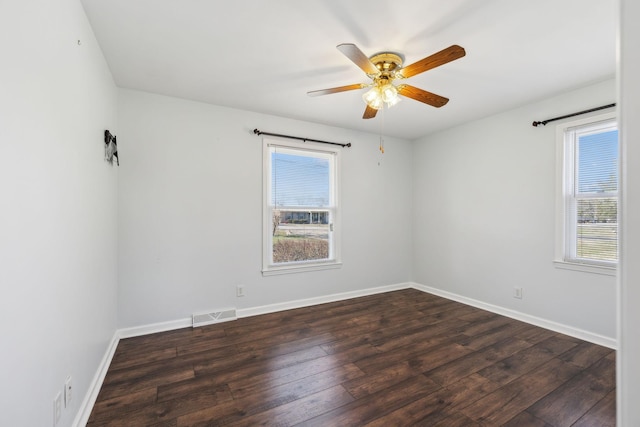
pixel 597 168
pixel 298 180
pixel 597 229
pixel 300 235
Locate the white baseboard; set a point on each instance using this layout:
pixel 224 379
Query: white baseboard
pixel 537 321
pixel 171 325
pixel 289 305
pixel 84 412
pixel 153 328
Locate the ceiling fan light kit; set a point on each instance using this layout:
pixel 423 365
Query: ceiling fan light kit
pixel 382 92
pixel 383 68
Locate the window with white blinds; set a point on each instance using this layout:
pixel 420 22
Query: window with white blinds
pixel 590 193
pixel 300 212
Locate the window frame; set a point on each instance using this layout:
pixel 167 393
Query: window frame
pixel 565 180
pixel 268 267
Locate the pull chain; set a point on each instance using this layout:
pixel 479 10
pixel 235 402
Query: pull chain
pixel 381 147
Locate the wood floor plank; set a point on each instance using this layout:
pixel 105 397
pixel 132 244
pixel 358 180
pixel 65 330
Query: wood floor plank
pixel 273 377
pixel 484 339
pixel 458 420
pixel 433 334
pixel 375 362
pixel 192 387
pixel 564 405
pixel 585 354
pixel 211 416
pixel 439 356
pixel 155 379
pixel 362 411
pixel 266 398
pixel 368 334
pixel 603 414
pixel 371 383
pixel 162 412
pixel 508 401
pixel 526 360
pixel 146 371
pixel 127 359
pixel 469 390
pixel 301 410
pixel 290 391
pixel 534 335
pixel 426 410
pixel 528 420
pixel 394 359
pixel 124 404
pixel 473 362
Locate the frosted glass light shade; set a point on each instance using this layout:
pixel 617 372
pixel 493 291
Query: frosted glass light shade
pixel 377 96
pixel 389 93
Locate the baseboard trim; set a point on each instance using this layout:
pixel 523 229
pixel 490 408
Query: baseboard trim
pixel 84 412
pixel 171 325
pixel 289 305
pixel 537 321
pixel 153 328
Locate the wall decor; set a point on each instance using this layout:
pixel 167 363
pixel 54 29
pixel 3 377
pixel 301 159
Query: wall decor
pixel 110 148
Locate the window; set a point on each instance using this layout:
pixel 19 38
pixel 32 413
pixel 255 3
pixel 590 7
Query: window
pixel 588 229
pixel 300 208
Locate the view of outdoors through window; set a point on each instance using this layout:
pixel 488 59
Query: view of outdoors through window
pixel 300 200
pixel 300 236
pixel 596 187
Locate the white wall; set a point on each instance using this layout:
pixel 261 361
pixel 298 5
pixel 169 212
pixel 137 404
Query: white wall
pixel 628 368
pixel 484 216
pixel 190 206
pixel 58 218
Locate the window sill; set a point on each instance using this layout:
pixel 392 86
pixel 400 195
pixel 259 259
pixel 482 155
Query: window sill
pixel 300 268
pixel 587 268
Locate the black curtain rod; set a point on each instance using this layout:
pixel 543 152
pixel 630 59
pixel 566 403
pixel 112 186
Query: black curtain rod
pixel 544 122
pixel 259 132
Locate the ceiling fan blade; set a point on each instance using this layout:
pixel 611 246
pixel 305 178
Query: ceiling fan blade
pixel 437 59
pixel 336 89
pixel 422 95
pixel 352 52
pixel 369 113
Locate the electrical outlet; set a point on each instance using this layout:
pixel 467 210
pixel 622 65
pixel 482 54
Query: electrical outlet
pixel 57 408
pixel 240 290
pixel 67 392
pixel 517 293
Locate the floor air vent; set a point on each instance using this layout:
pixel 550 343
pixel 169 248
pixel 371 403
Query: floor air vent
pixel 202 319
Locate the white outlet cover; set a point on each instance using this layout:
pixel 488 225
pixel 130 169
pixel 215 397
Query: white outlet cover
pixel 67 391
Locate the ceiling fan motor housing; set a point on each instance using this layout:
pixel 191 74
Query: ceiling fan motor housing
pixel 387 63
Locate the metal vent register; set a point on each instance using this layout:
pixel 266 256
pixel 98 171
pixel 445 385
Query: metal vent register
pixel 202 319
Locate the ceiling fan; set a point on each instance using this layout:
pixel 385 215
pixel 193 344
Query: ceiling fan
pixel 386 67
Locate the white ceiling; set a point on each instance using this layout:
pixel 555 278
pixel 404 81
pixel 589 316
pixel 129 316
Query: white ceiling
pixel 264 56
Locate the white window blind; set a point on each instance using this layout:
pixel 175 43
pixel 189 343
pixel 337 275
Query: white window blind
pixel 299 179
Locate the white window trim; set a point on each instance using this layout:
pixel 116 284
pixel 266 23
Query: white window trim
pixel 561 182
pixel 268 269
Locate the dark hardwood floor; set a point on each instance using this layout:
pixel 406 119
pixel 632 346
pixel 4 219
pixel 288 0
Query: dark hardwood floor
pixel 392 359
